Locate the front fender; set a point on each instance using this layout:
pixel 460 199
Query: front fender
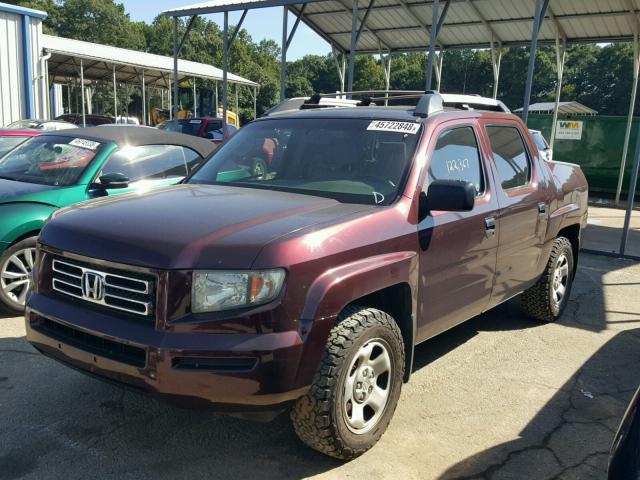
pixel 336 288
pixel 19 219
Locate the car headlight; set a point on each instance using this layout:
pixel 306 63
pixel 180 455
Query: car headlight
pixel 217 290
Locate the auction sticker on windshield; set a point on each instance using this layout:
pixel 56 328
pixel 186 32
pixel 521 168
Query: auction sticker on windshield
pixel 83 143
pixel 390 126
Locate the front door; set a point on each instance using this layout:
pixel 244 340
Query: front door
pixel 457 249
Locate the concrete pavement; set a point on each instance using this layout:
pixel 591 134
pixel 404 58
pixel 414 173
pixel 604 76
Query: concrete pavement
pixel 499 397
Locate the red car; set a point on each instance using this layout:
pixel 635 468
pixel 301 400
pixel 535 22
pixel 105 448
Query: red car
pixel 9 139
pixel 205 127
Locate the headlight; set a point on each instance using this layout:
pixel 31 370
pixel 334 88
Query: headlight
pixel 217 290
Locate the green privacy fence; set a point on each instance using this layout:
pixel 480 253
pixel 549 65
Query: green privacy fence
pixel 598 151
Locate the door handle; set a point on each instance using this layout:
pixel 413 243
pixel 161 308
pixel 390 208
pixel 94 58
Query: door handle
pixel 542 209
pixel 490 226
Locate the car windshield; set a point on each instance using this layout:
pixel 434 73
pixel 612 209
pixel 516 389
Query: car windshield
pixel 190 127
pixel 9 142
pixel 49 160
pixel 350 160
pixel 21 124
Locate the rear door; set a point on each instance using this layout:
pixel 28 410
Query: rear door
pixel 457 249
pixel 523 199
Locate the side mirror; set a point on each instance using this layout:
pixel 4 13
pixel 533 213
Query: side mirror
pixel 114 180
pixel 448 196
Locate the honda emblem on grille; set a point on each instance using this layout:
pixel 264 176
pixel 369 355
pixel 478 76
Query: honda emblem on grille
pixel 93 286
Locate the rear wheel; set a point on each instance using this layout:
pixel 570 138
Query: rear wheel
pixel 16 264
pixel 547 299
pixel 357 387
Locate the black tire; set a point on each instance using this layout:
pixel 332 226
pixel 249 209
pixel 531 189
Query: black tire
pixel 319 417
pixel 7 303
pixel 540 301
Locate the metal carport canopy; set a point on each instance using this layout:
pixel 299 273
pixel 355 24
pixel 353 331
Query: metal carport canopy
pixel 99 61
pixel 388 26
pixel 405 25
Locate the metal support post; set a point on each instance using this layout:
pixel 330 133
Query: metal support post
pixel 144 101
pixel 352 50
pixel 215 113
pixel 255 103
pixel 561 53
pixel 541 8
pixel 340 66
pixel 115 95
pixel 175 68
pixel 225 67
pixel 195 98
pixel 496 58
pixel 84 114
pixel 432 43
pixel 438 67
pixel 237 105
pixel 283 57
pixel 632 102
pixel 633 184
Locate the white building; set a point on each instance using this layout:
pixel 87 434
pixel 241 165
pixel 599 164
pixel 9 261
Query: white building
pixel 33 68
pixel 23 86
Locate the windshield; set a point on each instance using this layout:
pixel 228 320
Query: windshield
pixel 190 127
pixel 49 160
pixel 350 160
pixel 9 142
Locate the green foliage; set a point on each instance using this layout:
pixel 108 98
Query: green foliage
pixel 598 76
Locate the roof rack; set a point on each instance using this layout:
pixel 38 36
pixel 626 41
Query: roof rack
pixel 429 103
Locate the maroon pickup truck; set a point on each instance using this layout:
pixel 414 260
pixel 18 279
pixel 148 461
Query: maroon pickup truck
pixel 306 287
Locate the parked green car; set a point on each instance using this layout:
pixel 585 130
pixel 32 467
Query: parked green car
pixel 57 169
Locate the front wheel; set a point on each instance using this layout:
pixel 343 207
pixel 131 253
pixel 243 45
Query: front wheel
pixel 16 264
pixel 357 387
pixel 547 299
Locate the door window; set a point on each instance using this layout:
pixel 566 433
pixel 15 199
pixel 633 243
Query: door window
pixel 510 156
pixel 456 157
pixel 152 162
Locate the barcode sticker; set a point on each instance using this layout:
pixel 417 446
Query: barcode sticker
pixel 391 126
pixel 83 143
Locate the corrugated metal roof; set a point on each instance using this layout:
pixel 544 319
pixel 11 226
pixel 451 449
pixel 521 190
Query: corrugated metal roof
pixel 98 61
pixel 564 108
pixel 404 25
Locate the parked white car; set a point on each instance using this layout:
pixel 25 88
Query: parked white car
pixel 545 150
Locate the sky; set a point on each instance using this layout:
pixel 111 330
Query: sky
pixel 263 23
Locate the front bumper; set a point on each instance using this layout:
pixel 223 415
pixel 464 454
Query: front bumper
pixel 236 372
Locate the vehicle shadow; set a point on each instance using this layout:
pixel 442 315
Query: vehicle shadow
pixel 63 424
pixel 571 435
pixel 586 310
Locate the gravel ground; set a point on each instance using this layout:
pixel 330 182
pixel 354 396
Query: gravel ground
pixel 498 397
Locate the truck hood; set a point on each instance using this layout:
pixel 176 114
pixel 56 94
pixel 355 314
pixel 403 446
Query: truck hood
pixel 187 226
pixel 12 191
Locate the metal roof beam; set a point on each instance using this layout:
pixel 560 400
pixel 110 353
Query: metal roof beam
pixel 347 9
pixel 364 21
pixel 295 25
pixel 186 33
pixel 561 33
pixel 236 30
pixel 484 21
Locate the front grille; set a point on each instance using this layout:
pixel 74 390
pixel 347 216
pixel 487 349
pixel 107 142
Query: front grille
pixel 127 291
pixel 117 351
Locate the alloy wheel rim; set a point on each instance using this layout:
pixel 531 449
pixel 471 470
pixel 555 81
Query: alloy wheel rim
pixel 15 275
pixel 560 279
pixel 367 386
